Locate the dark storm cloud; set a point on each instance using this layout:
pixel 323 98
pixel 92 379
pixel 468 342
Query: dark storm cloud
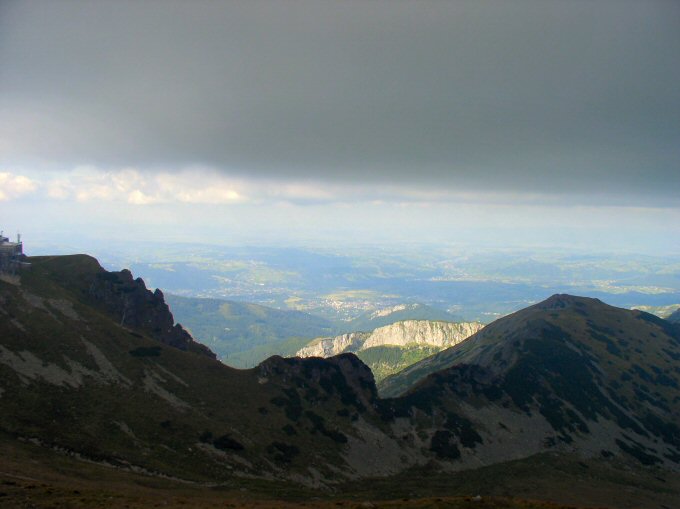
pixel 566 97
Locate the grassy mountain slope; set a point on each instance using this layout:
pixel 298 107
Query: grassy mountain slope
pixel 387 360
pixel 73 378
pixel 570 379
pixel 243 334
pixel 578 372
pixel 36 478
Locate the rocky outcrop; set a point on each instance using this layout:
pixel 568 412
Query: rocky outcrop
pixel 344 375
pixel 328 347
pixel 136 307
pixel 391 310
pixel 405 333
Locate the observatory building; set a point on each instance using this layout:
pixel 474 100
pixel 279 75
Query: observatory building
pixel 11 254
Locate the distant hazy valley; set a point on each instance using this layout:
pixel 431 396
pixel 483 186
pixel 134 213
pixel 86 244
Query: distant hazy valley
pixel 278 299
pixel 462 282
pixel 243 335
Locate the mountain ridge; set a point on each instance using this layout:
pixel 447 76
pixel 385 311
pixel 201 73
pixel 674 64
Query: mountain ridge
pixel 567 376
pixel 556 341
pixel 398 313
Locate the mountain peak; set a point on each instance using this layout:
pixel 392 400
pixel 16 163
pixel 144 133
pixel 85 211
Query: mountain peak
pixel 565 300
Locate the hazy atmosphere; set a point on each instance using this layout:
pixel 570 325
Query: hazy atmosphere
pixel 524 123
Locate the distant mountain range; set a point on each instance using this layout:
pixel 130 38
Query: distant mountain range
pixel 391 348
pixel 244 334
pixel 398 313
pixel 92 368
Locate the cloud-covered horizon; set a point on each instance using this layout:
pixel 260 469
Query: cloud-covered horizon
pixel 206 186
pixel 303 101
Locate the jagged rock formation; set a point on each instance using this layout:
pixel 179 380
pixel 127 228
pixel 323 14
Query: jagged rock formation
pixel 138 308
pixel 405 333
pixel 122 297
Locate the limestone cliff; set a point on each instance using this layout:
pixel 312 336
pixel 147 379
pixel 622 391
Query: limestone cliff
pixel 422 332
pixel 401 334
pixel 328 347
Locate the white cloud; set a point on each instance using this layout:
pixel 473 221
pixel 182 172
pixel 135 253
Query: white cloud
pixel 200 185
pixel 13 186
pixel 129 185
pixel 137 197
pixel 59 189
pixel 191 186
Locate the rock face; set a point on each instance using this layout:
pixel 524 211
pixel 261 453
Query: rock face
pixel 422 332
pixel 344 373
pixel 405 333
pixel 328 347
pixel 119 296
pixel 139 308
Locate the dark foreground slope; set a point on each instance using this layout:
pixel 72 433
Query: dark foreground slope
pixel 94 370
pixel 91 364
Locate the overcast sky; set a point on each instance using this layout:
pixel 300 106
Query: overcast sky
pixel 505 115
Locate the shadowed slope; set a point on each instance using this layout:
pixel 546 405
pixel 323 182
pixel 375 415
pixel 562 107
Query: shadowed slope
pixel 77 375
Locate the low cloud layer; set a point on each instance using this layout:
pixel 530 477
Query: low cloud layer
pixel 324 99
pixel 204 186
pixel 15 186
